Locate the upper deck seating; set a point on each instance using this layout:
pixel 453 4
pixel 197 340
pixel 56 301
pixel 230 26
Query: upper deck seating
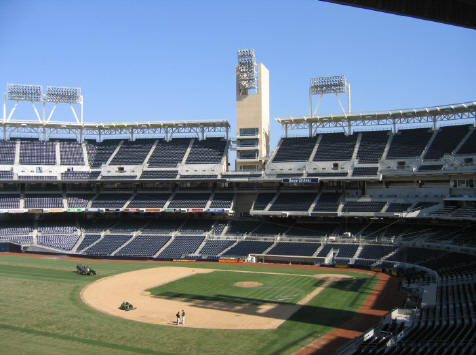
pixel 409 143
pixel 34 152
pixel 246 247
pixel 207 151
pixel 446 140
pixel 222 200
pixel 7 152
pixel 110 200
pixel 290 248
pixel 295 149
pixel 159 174
pixel 262 200
pixel 189 200
pixel 43 201
pixel 372 146
pixel 180 246
pixel 132 153
pixel 335 147
pixel 293 202
pixel 71 153
pixel 144 245
pixel 328 202
pixel 167 154
pixel 78 200
pixel 469 146
pixel 149 200
pixel 100 152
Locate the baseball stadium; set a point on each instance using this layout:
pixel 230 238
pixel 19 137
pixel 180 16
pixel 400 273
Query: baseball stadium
pixel 355 234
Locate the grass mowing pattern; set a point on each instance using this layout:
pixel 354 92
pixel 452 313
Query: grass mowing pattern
pixel 42 314
pixel 219 286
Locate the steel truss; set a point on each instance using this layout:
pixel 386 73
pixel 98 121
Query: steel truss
pixel 432 115
pixel 98 130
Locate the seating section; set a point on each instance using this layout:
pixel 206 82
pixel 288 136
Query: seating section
pixel 63 241
pixel 149 200
pixel 10 201
pixel 43 201
pixel 6 175
pixel 100 152
pixel 71 153
pixel 196 227
pixel 311 230
pixel 335 147
pixel 375 251
pixel 17 239
pixel 207 151
pixel 34 152
pixel 293 202
pixel 246 247
pixel 180 246
pixel 409 143
pixel 80 175
pixel 78 200
pixel 469 146
pixel 215 247
pixel 118 177
pixel 433 167
pixel 133 153
pixel 7 152
pixel 300 249
pixel 358 206
pixel 398 207
pixel 144 245
pixel 365 171
pixel 328 202
pixel 262 200
pixel 372 146
pixel 110 200
pixel 295 149
pixel 446 140
pixel 238 228
pixel 88 240
pixel 108 244
pixel 344 250
pixel 222 200
pixel 37 177
pixel 159 174
pixel 15 228
pixel 167 154
pixel 189 200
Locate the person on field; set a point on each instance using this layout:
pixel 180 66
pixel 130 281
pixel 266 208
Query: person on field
pixel 178 317
pixel 183 317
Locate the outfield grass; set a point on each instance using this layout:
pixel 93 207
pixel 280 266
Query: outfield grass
pixel 220 286
pixel 42 314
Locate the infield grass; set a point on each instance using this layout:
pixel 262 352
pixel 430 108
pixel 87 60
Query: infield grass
pixel 42 313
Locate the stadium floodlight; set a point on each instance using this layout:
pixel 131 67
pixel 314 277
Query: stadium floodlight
pixel 325 85
pixel 336 84
pixel 67 95
pixel 22 92
pixel 247 77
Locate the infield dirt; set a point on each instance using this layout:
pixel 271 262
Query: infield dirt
pixel 108 293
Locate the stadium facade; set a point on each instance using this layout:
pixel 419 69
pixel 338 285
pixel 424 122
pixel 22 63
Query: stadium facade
pixel 388 190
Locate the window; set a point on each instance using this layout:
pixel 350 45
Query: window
pixel 247 142
pixel 252 154
pixel 248 131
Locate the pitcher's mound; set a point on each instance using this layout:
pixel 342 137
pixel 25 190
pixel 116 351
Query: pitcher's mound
pixel 248 284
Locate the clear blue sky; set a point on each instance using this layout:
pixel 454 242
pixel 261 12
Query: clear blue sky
pixel 175 60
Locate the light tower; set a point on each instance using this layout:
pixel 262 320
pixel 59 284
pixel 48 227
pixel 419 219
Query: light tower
pixel 50 99
pixel 252 112
pixel 325 85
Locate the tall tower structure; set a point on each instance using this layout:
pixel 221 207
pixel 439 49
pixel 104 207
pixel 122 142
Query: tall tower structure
pixel 252 112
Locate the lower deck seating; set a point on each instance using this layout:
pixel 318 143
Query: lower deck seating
pixel 108 244
pixel 189 200
pixel 180 246
pixel 301 249
pixel 246 247
pixel 293 202
pixel 43 201
pixel 344 250
pixel 64 241
pixel 144 245
pixel 358 206
pixel 215 247
pixel 110 200
pixel 88 240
